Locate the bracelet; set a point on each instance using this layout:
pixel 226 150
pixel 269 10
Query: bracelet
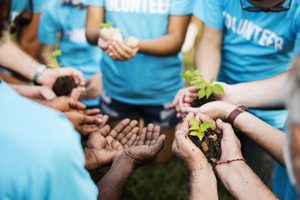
pixel 235 113
pixel 40 70
pixel 229 161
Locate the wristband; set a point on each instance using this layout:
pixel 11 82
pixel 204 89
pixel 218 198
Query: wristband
pixel 230 161
pixel 234 114
pixel 40 70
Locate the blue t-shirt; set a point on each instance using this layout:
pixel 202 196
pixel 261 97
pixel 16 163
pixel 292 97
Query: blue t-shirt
pixel 41 155
pixel 76 52
pixel 18 6
pixel 256 45
pixel 145 79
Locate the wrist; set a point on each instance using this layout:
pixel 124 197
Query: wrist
pixel 38 73
pixel 225 170
pixel 200 168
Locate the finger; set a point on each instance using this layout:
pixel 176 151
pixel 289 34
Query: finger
pixel 129 128
pixel 175 101
pixel 142 137
pixel 132 140
pixel 91 111
pixel 90 120
pixel 105 130
pixel 204 118
pixel 127 140
pixel 157 147
pixel 115 49
pixel 149 133
pixel 88 129
pixel 124 51
pixel 189 117
pixel 127 49
pixel 120 126
pixel 105 119
pixel 76 105
pixel 226 129
pixel 73 72
pixel 188 100
pixel 47 94
pixel 76 93
pixel 155 135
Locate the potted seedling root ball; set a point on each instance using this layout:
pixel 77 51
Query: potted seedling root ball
pixel 63 85
pixel 206 139
pixel 207 90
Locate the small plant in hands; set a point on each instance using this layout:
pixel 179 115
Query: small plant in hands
pixel 207 90
pixel 206 139
pixel 108 34
pixel 63 85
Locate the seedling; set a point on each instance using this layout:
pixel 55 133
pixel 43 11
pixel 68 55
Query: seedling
pixel 206 89
pixel 55 55
pixel 108 32
pixel 198 130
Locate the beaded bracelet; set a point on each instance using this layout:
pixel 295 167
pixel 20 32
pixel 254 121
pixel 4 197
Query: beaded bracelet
pixel 230 161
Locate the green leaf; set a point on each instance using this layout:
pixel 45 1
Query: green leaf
pixel 197 72
pixel 218 89
pixel 56 53
pixel 194 133
pixel 194 123
pixel 201 84
pixel 212 80
pixel 205 125
pixel 201 135
pixel 107 25
pixel 187 75
pixel 201 93
pixel 208 92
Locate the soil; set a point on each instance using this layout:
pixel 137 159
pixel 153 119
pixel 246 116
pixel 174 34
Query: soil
pixel 200 102
pixel 64 85
pixel 210 145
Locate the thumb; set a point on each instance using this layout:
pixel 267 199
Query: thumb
pixel 157 147
pixel 77 92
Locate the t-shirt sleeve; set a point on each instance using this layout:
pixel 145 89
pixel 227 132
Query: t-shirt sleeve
pixel 182 7
pixel 210 12
pixel 48 27
pixel 297 33
pixel 97 3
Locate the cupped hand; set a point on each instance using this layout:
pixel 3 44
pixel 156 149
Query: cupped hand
pixel 86 124
pixel 185 149
pixel 123 51
pixel 49 76
pixel 230 144
pixel 104 145
pixel 147 146
pixel 46 93
pixel 93 87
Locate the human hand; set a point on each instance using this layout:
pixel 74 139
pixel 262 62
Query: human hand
pixel 65 104
pixel 147 146
pixel 93 87
pixel 103 145
pixel 120 50
pixel 230 144
pixel 86 124
pixel 45 93
pixel 49 76
pixel 185 149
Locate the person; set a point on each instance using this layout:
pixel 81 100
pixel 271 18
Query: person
pixel 245 41
pixel 52 158
pixel 269 138
pixel 140 76
pixel 67 19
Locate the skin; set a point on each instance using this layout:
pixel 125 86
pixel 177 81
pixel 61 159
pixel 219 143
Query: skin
pixel 295 150
pixel 28 36
pixel 266 4
pixel 35 92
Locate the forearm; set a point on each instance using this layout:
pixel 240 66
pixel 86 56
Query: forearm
pixel 13 58
pixel 270 139
pixel 242 182
pixel 113 184
pixel 164 46
pixel 203 185
pixel 269 93
pixel 27 90
pixel 95 17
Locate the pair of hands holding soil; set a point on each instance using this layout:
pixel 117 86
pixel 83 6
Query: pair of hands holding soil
pixel 105 145
pixel 193 156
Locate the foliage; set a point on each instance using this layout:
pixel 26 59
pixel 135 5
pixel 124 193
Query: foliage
pixel 198 129
pixel 206 89
pixel 107 25
pixel 54 55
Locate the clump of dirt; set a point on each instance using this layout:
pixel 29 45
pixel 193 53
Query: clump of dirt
pixel 64 85
pixel 210 145
pixel 200 102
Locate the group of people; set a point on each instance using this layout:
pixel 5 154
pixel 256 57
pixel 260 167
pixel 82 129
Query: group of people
pixel 130 107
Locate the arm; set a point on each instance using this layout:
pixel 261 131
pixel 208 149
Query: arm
pixel 208 54
pixel 242 182
pixel 169 44
pixel 95 16
pixel 28 36
pixel 270 139
pixel 34 92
